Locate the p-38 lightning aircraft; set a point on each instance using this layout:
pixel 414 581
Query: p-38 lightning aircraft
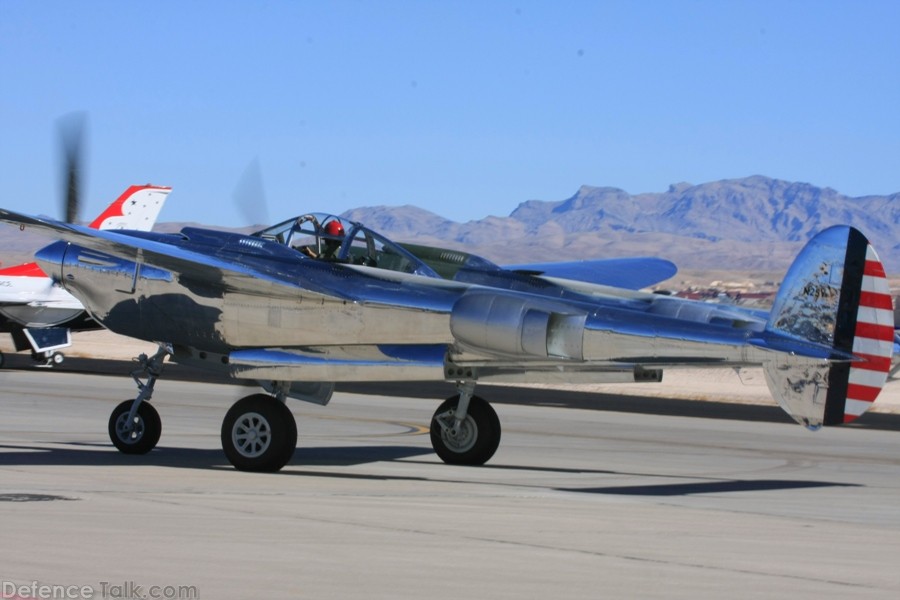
pixel 318 299
pixel 38 313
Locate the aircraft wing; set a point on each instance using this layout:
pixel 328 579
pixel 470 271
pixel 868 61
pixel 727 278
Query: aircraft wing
pixel 183 263
pixel 628 273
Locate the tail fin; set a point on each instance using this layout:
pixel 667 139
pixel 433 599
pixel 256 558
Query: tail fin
pixel 835 294
pixel 137 208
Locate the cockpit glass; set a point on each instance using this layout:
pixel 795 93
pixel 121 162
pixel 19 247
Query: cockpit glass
pixel 355 244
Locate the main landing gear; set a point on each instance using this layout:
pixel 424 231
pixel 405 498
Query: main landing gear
pixel 465 429
pixel 259 432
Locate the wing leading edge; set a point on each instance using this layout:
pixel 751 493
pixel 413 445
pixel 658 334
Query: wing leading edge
pixel 629 273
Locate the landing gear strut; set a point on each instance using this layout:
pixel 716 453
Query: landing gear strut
pixel 465 429
pixel 259 432
pixel 134 425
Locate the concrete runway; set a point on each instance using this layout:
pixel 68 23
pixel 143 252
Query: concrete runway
pixel 577 503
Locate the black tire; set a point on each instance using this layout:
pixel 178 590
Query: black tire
pixel 259 433
pixel 476 441
pixel 2 359
pixel 145 434
pixel 57 358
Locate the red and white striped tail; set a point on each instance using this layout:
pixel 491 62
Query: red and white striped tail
pixel 835 295
pixel 873 342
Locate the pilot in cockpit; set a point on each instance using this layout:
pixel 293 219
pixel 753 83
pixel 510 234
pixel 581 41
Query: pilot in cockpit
pixel 332 238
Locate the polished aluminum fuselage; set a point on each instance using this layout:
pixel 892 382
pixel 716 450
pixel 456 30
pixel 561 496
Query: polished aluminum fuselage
pixel 252 297
pixel 296 302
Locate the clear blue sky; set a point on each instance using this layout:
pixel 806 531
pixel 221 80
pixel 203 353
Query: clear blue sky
pixel 464 108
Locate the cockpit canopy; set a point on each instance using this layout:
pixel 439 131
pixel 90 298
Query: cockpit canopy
pixel 327 237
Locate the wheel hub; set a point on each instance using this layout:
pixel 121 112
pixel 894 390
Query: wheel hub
pixel 130 432
pixel 458 437
pixel 251 435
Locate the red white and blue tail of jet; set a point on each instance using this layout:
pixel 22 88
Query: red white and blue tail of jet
pixel 137 209
pixel 38 312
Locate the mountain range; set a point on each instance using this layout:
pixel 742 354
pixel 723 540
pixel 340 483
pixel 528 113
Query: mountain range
pixel 750 224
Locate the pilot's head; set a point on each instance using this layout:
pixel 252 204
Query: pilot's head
pixel 334 236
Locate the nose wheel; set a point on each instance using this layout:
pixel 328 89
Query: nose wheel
pixel 136 434
pixel 134 425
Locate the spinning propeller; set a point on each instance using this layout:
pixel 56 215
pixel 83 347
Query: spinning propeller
pixel 250 195
pixel 71 129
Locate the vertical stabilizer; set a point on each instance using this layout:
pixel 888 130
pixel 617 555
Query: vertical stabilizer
pixel 137 208
pixel 836 294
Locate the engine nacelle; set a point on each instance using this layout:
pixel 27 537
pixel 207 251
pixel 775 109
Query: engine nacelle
pixel 515 326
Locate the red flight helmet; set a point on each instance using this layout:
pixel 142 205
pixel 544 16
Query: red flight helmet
pixel 334 228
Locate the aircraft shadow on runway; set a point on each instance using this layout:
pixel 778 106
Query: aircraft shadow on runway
pixel 718 486
pixel 99 455
pixel 709 486
pixel 104 455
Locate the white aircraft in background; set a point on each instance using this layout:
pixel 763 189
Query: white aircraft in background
pixel 38 312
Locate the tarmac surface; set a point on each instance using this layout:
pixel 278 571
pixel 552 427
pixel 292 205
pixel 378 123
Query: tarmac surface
pixel 590 495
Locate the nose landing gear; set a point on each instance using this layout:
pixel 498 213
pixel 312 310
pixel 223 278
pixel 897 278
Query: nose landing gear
pixel 134 425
